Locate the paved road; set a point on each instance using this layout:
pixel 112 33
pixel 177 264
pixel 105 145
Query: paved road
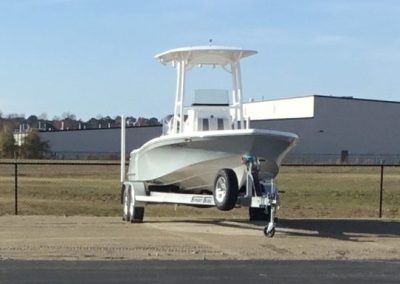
pixel 156 271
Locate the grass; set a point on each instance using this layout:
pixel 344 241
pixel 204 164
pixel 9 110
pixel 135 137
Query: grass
pixel 339 192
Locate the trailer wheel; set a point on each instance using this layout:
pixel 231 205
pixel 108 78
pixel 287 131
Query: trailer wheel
pixel 126 200
pixel 225 189
pixel 138 213
pixel 269 233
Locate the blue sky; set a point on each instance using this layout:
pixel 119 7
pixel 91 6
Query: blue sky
pixel 91 57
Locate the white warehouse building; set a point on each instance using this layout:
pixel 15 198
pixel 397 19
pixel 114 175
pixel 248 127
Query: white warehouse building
pixel 331 129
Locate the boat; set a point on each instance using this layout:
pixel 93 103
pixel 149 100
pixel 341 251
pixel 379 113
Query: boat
pixel 207 146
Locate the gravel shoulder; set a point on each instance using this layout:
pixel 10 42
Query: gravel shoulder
pixel 108 238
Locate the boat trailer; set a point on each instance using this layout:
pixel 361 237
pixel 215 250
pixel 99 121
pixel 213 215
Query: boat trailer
pixel 260 196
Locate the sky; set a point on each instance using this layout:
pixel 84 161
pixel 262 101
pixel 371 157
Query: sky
pixel 96 57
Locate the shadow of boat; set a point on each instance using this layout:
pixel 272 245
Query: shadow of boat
pixel 342 229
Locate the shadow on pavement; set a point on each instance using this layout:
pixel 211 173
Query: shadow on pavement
pixel 342 229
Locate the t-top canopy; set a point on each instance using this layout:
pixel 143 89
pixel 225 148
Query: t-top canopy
pixel 219 55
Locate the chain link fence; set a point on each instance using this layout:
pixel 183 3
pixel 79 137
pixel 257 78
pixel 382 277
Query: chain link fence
pixel 54 188
pixel 93 188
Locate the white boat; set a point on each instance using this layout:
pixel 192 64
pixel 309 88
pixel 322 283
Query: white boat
pixel 207 147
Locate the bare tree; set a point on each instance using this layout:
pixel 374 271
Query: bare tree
pixel 68 115
pixel 43 116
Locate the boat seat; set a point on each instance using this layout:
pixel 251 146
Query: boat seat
pixel 216 123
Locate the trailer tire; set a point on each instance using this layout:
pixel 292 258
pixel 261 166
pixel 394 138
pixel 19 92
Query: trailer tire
pixel 226 189
pixel 138 213
pixel 126 200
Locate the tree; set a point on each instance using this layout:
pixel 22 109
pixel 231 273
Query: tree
pixel 130 121
pixel 43 116
pixel 92 123
pixel 117 120
pixel 33 147
pixel 142 121
pixel 154 121
pixel 7 143
pixel 32 121
pixel 68 115
pixel 107 121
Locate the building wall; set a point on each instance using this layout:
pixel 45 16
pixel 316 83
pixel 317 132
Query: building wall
pixel 364 128
pixel 361 127
pixel 300 107
pixel 105 142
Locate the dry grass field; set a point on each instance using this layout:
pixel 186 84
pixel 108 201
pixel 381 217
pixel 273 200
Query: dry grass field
pixel 335 192
pixel 339 192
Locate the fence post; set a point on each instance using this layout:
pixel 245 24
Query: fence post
pixel 16 186
pixel 381 192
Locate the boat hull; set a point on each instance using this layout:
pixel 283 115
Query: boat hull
pixel 191 161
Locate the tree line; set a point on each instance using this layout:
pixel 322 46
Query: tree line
pixel 69 121
pixel 29 144
pixel 31 148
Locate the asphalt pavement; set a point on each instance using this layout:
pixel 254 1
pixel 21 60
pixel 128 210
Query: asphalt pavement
pixel 201 271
